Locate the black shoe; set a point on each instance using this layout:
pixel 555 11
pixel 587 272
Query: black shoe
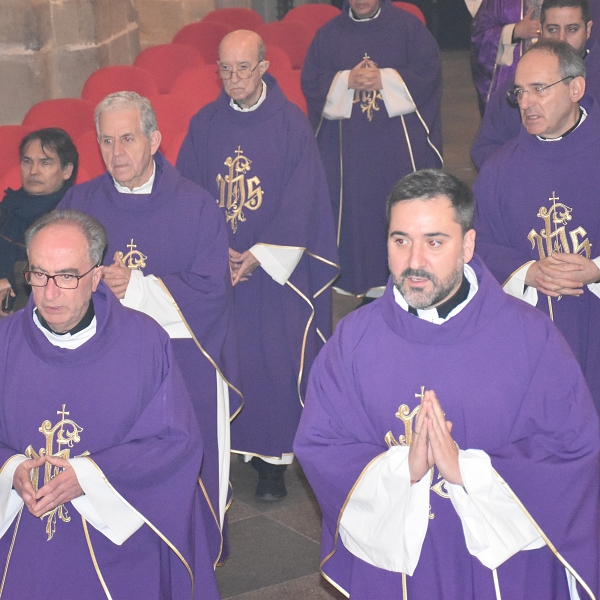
pixel 271 486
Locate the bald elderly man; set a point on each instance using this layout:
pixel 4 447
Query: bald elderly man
pixel 254 151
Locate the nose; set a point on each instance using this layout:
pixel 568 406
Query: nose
pixel 563 35
pixel 417 257
pixel 51 291
pixel 117 147
pixel 234 73
pixel 34 167
pixel 526 100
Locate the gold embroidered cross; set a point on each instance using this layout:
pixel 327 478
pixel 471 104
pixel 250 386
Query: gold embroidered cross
pixel 422 394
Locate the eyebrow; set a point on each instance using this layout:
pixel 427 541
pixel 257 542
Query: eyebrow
pixel 432 234
pixel 69 271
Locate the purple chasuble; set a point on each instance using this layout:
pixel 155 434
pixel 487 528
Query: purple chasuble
pixel 510 385
pixel 264 169
pixel 533 194
pixel 119 397
pixel 181 237
pixel 501 121
pixel 364 156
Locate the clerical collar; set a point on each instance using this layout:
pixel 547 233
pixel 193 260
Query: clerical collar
pixel 582 117
pixel 145 188
pixel 75 337
pixel 263 95
pixel 449 308
pixel 359 20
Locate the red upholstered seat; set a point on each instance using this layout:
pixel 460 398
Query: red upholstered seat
pixel 74 115
pixel 90 157
pixel 292 37
pixel 412 9
pixel 173 113
pixel 166 61
pixel 278 60
pixel 10 140
pixel 200 85
pixel 313 16
pixel 118 78
pixel 236 18
pixel 204 36
pixel 171 152
pixel 289 82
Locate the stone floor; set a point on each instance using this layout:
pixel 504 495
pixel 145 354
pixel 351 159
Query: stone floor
pixel 275 547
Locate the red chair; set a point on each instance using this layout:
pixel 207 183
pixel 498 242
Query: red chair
pixel 313 16
pixel 173 113
pixel 90 157
pixel 412 9
pixel 74 115
pixel 201 85
pixel 118 78
pixel 236 18
pixel 204 36
pixel 12 178
pixel 172 150
pixel 290 85
pixel 278 60
pixel 166 61
pixel 293 38
pixel 10 140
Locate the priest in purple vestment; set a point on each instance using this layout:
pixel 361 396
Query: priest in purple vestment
pixel 167 256
pixel 100 449
pixel 537 213
pixel 254 151
pixel 566 20
pixel 501 31
pixel 372 81
pixel 448 432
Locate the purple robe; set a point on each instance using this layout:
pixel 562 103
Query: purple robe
pixel 373 154
pixel 182 236
pixel 537 424
pixel 526 178
pixel 123 391
pixel 277 324
pixel 501 121
pixel 486 30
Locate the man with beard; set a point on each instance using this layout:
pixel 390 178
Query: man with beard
pixel 496 495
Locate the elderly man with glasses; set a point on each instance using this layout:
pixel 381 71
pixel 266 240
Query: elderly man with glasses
pixel 254 151
pixel 537 218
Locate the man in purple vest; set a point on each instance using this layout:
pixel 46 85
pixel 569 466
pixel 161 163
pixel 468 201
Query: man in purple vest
pixel 565 20
pixel 98 441
pixel 448 432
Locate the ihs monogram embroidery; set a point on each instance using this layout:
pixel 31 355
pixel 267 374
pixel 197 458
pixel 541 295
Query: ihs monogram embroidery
pixel 368 100
pixel 407 417
pixel 236 192
pixel 67 433
pixel 134 259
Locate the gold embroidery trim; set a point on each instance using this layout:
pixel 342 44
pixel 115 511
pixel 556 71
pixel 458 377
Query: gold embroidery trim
pixel 404 589
pixel 206 354
pixel 339 231
pixel 214 514
pixel 334 584
pixel 12 544
pixel 93 556
pixel 516 271
pixel 408 144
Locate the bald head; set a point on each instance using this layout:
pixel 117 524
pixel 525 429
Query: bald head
pixel 242 65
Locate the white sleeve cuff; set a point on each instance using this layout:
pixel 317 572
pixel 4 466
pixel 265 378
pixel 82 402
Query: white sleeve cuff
pixel 515 285
pixel 395 94
pixel 494 525
pixel 278 261
pixel 385 519
pixel 146 294
pixel 595 287
pixel 10 501
pixel 102 506
pixel 505 54
pixel 339 99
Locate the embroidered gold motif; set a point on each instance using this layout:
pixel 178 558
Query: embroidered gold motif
pixel 367 99
pixel 236 192
pixel 134 259
pixel 67 433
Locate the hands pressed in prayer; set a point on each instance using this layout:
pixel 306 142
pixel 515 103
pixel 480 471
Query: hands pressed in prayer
pixel 62 488
pixel 117 276
pixel 5 290
pixel 365 77
pixel 527 27
pixel 562 274
pixel 432 443
pixel 241 265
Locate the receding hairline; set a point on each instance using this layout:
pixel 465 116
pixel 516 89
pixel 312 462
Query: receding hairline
pixel 241 36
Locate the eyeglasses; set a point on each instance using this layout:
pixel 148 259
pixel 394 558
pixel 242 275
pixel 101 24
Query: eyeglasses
pixel 243 72
pixel 515 94
pixel 65 281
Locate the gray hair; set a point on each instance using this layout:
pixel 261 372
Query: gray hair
pixel 570 64
pixel 92 229
pixel 120 100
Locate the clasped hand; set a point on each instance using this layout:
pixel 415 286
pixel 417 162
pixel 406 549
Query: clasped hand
pixel 365 77
pixel 241 265
pixel 117 276
pixel 60 489
pixel 432 444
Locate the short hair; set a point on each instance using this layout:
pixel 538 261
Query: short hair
pixel 120 100
pixel 428 184
pixel 570 64
pixel 92 229
pixel 584 5
pixel 56 140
